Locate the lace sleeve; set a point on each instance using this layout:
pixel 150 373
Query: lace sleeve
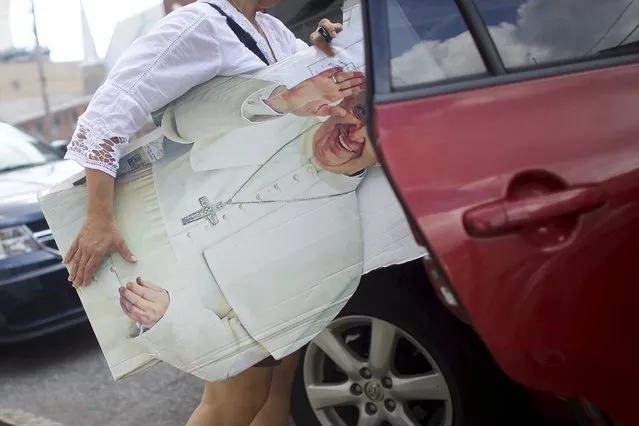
pixel 94 146
pixel 181 52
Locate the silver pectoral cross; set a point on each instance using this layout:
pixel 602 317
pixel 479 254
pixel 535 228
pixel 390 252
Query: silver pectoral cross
pixel 208 212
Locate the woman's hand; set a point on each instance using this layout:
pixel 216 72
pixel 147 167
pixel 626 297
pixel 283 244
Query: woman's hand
pixel 144 302
pixel 98 236
pixel 312 96
pixel 318 40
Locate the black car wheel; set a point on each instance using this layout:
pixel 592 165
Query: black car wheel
pixel 396 356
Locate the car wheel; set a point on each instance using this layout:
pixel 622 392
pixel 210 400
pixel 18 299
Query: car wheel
pixel 396 356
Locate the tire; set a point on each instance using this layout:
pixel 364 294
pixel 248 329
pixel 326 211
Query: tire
pixel 466 386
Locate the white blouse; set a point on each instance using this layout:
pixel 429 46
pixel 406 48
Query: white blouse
pixel 188 47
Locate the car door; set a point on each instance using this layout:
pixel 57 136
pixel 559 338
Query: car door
pixel 510 132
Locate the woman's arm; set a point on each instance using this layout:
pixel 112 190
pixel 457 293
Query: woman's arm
pixel 182 51
pixel 100 188
pixel 99 234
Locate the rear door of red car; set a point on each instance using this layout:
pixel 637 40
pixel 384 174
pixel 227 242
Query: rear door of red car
pixel 510 131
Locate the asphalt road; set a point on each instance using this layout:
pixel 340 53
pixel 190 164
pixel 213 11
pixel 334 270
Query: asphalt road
pixel 64 378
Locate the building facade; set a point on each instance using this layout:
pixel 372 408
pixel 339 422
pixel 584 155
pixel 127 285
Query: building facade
pixel 69 85
pixel 64 117
pixel 69 89
pixel 20 80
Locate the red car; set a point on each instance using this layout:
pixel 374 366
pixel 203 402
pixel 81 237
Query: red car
pixel 518 162
pixel 510 132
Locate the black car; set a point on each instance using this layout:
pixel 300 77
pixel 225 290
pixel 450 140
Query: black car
pixel 35 296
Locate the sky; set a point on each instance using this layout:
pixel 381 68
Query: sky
pixel 60 26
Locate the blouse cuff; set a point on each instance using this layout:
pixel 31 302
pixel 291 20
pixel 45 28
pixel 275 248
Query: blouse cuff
pixel 94 146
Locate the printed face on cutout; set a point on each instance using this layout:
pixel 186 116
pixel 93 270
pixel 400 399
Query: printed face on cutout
pixel 341 144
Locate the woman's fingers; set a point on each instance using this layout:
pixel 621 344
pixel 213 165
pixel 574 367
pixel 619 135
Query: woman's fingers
pixel 333 28
pixel 68 257
pixel 78 279
pixel 72 259
pixel 74 267
pixel 86 262
pixel 337 28
pixel 91 267
pixel 124 251
pixel 319 40
pixel 92 243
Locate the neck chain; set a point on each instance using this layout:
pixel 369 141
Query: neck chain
pixel 210 211
pixel 259 169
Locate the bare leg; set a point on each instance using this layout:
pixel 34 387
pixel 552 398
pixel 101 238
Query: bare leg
pixel 233 402
pixel 277 410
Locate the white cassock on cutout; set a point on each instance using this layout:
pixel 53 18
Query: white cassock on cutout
pixel 260 273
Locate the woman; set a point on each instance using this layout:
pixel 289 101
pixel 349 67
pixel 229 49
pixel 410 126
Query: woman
pixel 188 47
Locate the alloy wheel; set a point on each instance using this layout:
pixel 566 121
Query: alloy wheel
pixel 367 372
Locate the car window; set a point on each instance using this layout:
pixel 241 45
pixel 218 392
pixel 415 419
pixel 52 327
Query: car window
pixel 536 32
pixel 429 41
pixel 21 150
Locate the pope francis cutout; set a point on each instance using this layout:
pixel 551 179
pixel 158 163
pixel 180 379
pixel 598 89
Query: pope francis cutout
pixel 246 227
pixel 243 212
pixel 269 219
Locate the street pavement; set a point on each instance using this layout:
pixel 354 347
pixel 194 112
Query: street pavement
pixel 63 380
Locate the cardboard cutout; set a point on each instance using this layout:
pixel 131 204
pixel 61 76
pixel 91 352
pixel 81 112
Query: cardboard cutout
pixel 258 223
